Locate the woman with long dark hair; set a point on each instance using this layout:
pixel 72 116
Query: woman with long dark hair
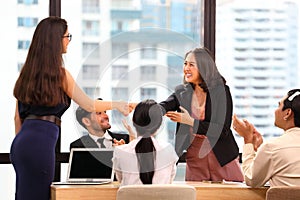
pixel 145 160
pixel 202 108
pixel 44 90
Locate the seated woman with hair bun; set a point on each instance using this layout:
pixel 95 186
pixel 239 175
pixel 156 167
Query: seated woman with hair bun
pixel 145 160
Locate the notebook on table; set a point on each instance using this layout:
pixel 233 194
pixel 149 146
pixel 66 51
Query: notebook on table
pixel 89 166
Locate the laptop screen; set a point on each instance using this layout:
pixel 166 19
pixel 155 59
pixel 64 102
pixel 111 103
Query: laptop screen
pixel 90 164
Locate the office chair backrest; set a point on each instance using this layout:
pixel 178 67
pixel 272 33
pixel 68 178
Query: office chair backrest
pixel 156 192
pixel 283 193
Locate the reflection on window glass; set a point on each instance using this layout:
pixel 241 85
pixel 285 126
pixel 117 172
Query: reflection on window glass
pixel 90 27
pixel 90 72
pixel 27 21
pixel 28 2
pixel 119 72
pixel 120 50
pixel 23 44
pixel 119 93
pixel 88 48
pixel 148 73
pixel 91 91
pixel 258 63
pixel 91 6
pixel 148 53
pixel 148 93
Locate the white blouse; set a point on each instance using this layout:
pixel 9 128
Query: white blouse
pixel 125 163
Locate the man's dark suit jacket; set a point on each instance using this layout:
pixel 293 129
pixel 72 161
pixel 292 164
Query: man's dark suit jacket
pixel 87 142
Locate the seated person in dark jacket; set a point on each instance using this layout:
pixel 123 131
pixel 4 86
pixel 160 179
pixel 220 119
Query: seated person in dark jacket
pixel 97 125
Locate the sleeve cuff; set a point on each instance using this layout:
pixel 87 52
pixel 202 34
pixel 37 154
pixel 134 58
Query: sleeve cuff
pixel 248 148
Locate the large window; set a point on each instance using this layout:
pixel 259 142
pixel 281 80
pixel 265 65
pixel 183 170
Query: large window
pixel 130 49
pixel 18 23
pixel 131 33
pixel 257 52
pixel 256 49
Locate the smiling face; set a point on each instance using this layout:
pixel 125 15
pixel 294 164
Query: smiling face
pixel 190 70
pixel 100 121
pixel 97 123
pixel 103 120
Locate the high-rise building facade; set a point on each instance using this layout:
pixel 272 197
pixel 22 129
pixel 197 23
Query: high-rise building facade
pixel 257 49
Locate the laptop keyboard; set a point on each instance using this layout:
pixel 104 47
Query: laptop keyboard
pixel 88 182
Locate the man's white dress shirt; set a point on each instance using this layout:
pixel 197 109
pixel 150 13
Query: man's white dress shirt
pixel 107 140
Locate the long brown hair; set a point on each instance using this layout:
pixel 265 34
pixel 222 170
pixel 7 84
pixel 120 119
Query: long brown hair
pixel 41 78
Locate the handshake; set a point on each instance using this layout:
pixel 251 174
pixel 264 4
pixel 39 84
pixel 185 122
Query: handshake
pixel 124 107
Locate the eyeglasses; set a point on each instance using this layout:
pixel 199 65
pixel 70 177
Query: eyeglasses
pixel 69 36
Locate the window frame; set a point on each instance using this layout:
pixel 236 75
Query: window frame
pixel 208 12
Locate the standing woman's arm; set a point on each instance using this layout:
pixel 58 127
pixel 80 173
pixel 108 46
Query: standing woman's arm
pixel 18 122
pixel 90 105
pixel 170 104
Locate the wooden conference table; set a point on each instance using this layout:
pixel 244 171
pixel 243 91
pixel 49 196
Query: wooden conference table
pixel 205 191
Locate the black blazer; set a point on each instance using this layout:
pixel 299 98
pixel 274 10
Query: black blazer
pixel 87 142
pixel 216 125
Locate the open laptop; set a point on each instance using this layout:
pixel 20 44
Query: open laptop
pixel 90 166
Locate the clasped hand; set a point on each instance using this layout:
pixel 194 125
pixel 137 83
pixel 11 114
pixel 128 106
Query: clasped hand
pixel 118 142
pixel 124 107
pixel 182 117
pixel 247 131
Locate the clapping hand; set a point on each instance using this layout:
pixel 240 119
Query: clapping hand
pixel 257 139
pixel 247 131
